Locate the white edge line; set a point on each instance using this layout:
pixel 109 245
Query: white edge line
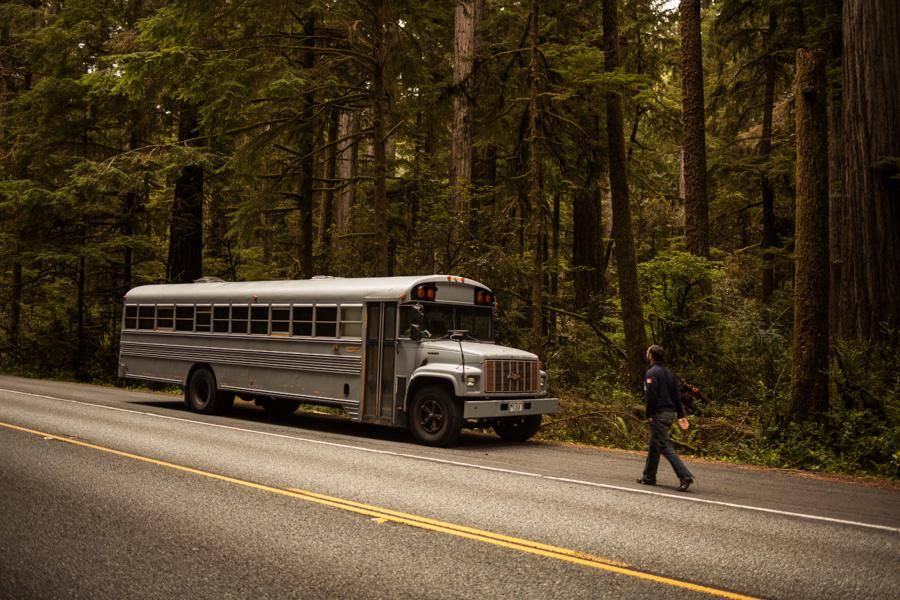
pixel 475 466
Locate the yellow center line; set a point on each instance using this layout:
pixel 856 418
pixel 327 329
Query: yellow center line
pixel 384 514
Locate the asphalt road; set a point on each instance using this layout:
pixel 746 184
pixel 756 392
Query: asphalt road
pixel 106 493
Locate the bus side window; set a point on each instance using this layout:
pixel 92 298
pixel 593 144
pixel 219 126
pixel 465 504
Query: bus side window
pixel 303 321
pixel 326 321
pixel 220 319
pixel 281 320
pixel 131 317
pixel 165 317
pixel 146 317
pixel 204 318
pixel 351 322
pixel 184 318
pixel 259 319
pixel 239 316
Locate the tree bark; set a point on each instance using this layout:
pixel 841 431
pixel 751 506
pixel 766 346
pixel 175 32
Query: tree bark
pixel 326 210
pixel 536 200
pixel 836 202
pixel 383 233
pixel 696 209
pixel 587 232
pixel 307 163
pixel 186 229
pixel 466 22
pixel 348 127
pixel 809 383
pixel 626 263
pixel 870 244
pixel 767 190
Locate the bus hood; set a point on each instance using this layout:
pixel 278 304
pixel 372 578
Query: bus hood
pixel 475 352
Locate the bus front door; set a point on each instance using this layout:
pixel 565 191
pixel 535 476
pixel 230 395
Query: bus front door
pixel 380 356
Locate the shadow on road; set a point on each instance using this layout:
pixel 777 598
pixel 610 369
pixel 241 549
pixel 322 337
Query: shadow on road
pixel 325 423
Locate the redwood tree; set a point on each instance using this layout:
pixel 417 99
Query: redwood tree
pixel 696 210
pixel 186 232
pixel 626 264
pixel 466 22
pixel 869 305
pixel 809 383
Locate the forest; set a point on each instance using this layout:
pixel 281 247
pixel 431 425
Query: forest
pixel 721 177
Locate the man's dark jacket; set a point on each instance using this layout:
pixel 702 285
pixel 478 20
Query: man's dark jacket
pixel 661 391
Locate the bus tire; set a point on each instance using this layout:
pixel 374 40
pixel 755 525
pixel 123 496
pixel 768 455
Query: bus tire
pixel 203 396
pixel 279 408
pixel 435 418
pixel 518 429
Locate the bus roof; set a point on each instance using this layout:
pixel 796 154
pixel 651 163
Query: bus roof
pixel 321 289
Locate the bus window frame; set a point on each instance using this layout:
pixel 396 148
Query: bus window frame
pixel 156 325
pixel 289 321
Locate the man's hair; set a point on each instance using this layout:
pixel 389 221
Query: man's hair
pixel 656 352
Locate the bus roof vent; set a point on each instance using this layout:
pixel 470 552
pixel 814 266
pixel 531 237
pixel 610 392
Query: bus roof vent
pixel 209 279
pixel 325 277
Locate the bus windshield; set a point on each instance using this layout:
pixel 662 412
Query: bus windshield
pixel 438 319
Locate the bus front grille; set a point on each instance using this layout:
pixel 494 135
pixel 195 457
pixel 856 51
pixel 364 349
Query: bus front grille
pixel 511 376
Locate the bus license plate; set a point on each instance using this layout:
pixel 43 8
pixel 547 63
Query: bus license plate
pixel 516 406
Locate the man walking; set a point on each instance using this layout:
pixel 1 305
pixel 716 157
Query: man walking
pixel 663 405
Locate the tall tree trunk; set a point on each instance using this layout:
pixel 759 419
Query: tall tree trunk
pixel 326 210
pixel 348 127
pixel 767 190
pixel 130 207
pixel 696 209
pixel 307 162
pixel 383 233
pixel 466 22
pixel 587 231
pixel 626 264
pixel 536 200
pixel 836 201
pixel 870 246
pixel 186 229
pixel 809 383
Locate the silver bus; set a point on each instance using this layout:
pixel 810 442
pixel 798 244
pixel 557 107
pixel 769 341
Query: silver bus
pixel 414 352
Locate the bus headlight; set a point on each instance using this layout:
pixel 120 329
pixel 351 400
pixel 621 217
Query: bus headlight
pixel 472 382
pixel 543 382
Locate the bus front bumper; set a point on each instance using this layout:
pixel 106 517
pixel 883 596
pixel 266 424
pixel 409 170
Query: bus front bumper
pixel 513 407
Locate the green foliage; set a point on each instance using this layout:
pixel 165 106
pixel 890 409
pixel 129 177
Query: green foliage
pixel 677 287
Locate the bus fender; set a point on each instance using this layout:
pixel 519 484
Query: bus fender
pixel 424 378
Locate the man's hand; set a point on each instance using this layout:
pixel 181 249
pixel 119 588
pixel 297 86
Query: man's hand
pixel 683 423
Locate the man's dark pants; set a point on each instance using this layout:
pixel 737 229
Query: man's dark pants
pixel 660 444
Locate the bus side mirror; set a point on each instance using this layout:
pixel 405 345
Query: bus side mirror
pixel 415 332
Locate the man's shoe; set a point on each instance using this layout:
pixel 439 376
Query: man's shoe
pixel 643 481
pixel 685 484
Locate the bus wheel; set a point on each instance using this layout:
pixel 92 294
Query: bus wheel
pixel 434 417
pixel 278 408
pixel 518 429
pixel 203 396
